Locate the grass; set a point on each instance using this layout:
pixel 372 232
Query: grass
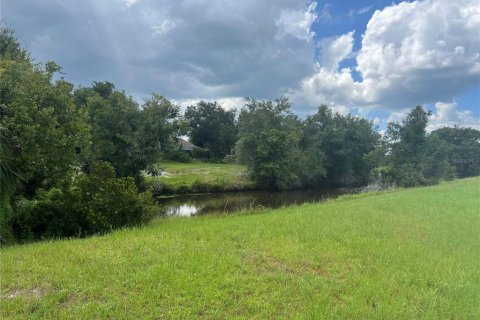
pixel 407 254
pixel 200 177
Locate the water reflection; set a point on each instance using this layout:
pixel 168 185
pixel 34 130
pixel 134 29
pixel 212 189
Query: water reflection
pixel 196 204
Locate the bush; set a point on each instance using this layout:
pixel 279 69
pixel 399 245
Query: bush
pixel 91 204
pixel 154 170
pixel 177 155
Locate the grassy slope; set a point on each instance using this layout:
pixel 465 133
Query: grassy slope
pixel 408 254
pixel 185 174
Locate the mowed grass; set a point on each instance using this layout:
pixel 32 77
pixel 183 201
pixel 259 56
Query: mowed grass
pixel 406 254
pixel 184 175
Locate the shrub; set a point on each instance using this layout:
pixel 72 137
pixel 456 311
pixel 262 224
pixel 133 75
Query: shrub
pixel 177 155
pixel 91 204
pixel 154 170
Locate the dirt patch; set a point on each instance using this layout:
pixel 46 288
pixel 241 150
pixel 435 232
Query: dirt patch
pixel 24 293
pixel 337 299
pixel 269 264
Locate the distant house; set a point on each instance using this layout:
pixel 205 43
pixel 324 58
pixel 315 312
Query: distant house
pixel 186 145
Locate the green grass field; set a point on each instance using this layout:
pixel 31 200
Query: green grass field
pixel 182 177
pixel 406 254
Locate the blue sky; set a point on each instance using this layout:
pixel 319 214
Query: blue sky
pixel 373 58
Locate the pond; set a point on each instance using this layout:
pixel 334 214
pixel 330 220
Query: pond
pixel 197 204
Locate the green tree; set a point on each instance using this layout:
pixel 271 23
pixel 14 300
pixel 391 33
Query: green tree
pixel 212 127
pixel 124 134
pixel 41 130
pixel 339 143
pixel 160 126
pixel 413 157
pixel 464 154
pixel 268 143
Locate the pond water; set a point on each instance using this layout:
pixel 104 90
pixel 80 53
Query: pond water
pixel 197 204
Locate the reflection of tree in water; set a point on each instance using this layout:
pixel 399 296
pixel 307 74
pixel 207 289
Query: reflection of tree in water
pixel 196 204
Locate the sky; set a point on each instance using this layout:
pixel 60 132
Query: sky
pixel 377 59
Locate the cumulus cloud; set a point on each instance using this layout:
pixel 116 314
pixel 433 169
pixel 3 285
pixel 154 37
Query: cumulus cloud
pixel 297 23
pixel 445 114
pixel 335 49
pixel 448 115
pixel 411 53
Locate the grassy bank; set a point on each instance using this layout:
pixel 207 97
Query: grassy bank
pixel 197 177
pixel 408 254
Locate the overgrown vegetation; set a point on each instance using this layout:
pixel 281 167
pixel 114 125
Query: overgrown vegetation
pixel 52 139
pixel 90 204
pixel 405 254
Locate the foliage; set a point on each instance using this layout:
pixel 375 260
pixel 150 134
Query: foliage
pixel 42 132
pixel 49 134
pixel 92 203
pixel 335 147
pixel 127 136
pixel 176 154
pixel 212 127
pixel 43 129
pixel 413 157
pixel 114 119
pixel 159 125
pixel 269 143
pixel 201 153
pixel 464 152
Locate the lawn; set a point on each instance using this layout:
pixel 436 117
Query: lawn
pixel 188 177
pixel 406 254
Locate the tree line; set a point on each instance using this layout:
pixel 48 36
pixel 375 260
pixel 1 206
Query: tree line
pixel 72 159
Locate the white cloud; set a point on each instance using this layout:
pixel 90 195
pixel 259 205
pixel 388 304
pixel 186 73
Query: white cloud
pixel 164 27
pixel 444 115
pixel 397 116
pixel 335 49
pixel 354 12
pixel 297 23
pixel 411 53
pixel 447 115
pixel 227 103
pixel 377 121
pixel 434 55
pixel 325 86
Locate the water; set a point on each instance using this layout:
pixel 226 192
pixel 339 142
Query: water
pixel 197 204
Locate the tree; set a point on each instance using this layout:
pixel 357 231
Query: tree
pixel 412 157
pixel 212 127
pixel 159 126
pixel 465 149
pixel 41 130
pixel 268 143
pixel 338 144
pixel 124 134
